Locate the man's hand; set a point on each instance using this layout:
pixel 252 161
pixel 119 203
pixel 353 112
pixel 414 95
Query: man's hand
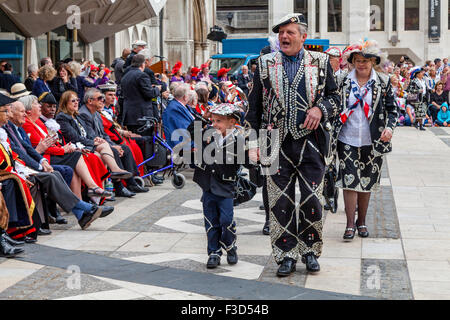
pixel 99 141
pixel 119 149
pixel 47 167
pixel 314 116
pixel 254 155
pixel 386 136
pixel 42 146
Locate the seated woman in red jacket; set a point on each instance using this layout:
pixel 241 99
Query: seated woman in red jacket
pixel 88 169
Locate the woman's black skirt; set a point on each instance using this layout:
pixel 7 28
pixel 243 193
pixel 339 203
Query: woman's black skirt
pixel 70 159
pixel 359 168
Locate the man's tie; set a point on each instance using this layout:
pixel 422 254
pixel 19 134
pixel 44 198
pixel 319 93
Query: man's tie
pixel 14 137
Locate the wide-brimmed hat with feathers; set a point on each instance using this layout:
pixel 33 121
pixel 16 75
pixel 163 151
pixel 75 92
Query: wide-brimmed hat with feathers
pixel 368 49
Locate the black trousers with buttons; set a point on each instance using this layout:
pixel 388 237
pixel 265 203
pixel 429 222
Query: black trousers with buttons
pixel 294 237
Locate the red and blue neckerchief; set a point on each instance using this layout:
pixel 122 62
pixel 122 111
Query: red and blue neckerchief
pixel 360 101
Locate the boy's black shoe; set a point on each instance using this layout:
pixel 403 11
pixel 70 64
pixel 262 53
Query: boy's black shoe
pixel 213 261
pixel 232 257
pixel 312 265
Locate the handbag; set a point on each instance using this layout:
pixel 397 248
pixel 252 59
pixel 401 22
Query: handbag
pixel 245 191
pixel 161 156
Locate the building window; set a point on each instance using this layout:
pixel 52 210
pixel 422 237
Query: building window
pixel 376 15
pixel 301 6
pixel 334 15
pixel 394 15
pixel 412 15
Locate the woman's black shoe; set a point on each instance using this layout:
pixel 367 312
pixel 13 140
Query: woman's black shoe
pixel 125 193
pixel 138 189
pixel 363 234
pixel 351 235
pixel 288 266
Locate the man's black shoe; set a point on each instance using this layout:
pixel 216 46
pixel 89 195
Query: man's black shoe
pixel 10 240
pixel 138 189
pixel 213 261
pixel 232 257
pixel 106 211
pixel 7 250
pixel 312 265
pixel 266 229
pixel 125 193
pixel 262 208
pixel 29 240
pixel 89 217
pixel 326 207
pixel 44 232
pixel 288 266
pixel 59 219
pixel 157 181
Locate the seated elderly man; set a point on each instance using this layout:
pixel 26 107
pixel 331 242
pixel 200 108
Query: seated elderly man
pixel 178 116
pixel 51 182
pixel 94 102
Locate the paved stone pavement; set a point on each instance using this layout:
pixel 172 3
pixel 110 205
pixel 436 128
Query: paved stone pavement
pixel 154 247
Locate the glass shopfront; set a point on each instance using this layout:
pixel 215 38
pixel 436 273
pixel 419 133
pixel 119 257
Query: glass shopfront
pixel 334 15
pixel 11 45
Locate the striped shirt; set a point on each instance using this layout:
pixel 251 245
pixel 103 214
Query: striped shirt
pixel 291 64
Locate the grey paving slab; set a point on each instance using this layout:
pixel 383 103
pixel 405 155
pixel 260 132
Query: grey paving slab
pixel 382 216
pixel 197 282
pixel 439 131
pixel 386 279
pixel 54 283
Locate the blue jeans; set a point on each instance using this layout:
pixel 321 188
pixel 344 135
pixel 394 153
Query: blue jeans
pixel 219 223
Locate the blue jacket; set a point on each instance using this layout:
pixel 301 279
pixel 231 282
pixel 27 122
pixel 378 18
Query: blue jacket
pixel 444 116
pixel 40 87
pixel 7 81
pixel 176 116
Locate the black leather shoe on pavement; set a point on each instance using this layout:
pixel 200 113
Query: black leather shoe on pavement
pixel 10 240
pixel 30 240
pixel 125 193
pixel 44 232
pixel 106 211
pixel 58 219
pixel 213 261
pixel 7 250
pixel 262 208
pixel 232 257
pixel 157 181
pixel 89 217
pixel 312 265
pixel 266 229
pixel 288 266
pixel 138 189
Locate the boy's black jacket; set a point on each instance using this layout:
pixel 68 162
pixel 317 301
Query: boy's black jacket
pixel 219 177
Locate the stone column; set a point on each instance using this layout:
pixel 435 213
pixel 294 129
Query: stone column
pixel 323 17
pixel 358 20
pixel 312 18
pixel 278 9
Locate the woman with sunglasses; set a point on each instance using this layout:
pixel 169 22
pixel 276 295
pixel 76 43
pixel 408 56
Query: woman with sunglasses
pixel 73 130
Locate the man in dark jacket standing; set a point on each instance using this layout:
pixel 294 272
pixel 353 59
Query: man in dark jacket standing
pixel 245 80
pixel 138 94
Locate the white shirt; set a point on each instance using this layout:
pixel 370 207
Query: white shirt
pixel 356 131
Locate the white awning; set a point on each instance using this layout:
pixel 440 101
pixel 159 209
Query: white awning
pixel 99 18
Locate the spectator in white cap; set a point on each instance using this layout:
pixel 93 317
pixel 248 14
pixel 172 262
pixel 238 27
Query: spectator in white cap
pixel 138 46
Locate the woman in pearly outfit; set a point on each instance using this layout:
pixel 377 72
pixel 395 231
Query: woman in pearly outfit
pixel 364 133
pixel 418 96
